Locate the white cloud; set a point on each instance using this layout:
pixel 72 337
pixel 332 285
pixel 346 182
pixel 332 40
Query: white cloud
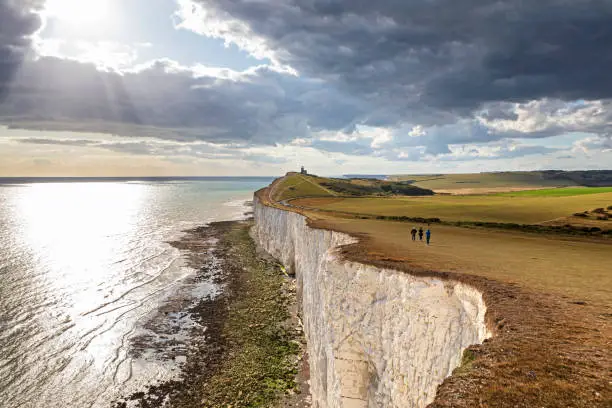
pixel 548 116
pixel 417 131
pixel 214 23
pixel 105 55
pixel 597 143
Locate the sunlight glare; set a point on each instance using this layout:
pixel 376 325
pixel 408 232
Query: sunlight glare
pixel 67 226
pixel 78 12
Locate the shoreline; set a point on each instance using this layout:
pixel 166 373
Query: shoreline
pixel 244 348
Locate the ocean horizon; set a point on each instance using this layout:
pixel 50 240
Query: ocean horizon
pixel 26 180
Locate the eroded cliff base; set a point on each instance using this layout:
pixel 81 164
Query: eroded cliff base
pixel 247 343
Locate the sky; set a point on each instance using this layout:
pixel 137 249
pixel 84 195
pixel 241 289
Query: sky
pixel 244 87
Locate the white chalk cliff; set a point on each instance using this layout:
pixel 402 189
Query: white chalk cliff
pixel 376 337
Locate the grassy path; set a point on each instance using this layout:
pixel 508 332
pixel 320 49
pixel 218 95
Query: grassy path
pixel 328 191
pixel 578 268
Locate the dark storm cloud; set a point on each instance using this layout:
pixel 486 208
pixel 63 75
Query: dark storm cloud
pixel 165 100
pixel 450 54
pixel 18 21
pixel 468 71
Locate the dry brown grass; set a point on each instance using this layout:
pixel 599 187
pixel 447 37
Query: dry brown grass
pixel 549 307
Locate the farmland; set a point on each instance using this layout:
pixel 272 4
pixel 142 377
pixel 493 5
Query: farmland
pixel 477 183
pixel 524 209
pixel 558 192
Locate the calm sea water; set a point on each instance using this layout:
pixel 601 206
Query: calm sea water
pixel 83 266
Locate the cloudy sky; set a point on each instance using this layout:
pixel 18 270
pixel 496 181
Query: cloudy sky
pixel 259 87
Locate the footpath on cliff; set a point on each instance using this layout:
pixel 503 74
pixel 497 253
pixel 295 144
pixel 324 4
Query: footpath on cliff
pixel 548 298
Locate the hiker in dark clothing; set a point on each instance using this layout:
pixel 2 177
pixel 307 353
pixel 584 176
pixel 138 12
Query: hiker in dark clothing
pixel 413 233
pixel 421 234
pixel 428 235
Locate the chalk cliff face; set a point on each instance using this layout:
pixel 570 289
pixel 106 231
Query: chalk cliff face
pixel 376 337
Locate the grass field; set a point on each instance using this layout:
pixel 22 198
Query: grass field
pixel 508 181
pixel 577 268
pixel 524 209
pixel 484 181
pixel 558 192
pixel 299 185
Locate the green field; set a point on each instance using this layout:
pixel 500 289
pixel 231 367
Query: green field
pixel 298 185
pixel 558 192
pixel 488 208
pixel 484 181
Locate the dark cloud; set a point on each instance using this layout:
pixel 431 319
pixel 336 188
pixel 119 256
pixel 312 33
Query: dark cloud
pixel 18 21
pixel 467 71
pixel 449 54
pixel 262 106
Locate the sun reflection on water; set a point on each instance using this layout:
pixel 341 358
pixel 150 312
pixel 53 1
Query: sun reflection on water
pixel 78 230
pixel 83 269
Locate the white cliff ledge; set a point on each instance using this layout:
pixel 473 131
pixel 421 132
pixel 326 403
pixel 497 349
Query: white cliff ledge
pixel 376 337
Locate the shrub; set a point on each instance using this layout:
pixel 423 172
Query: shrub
pixel 583 215
pixel 599 211
pixel 610 208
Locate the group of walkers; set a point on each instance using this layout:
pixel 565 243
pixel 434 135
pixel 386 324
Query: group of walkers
pixel 420 232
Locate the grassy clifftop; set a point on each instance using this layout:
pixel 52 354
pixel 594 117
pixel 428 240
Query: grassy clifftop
pixel 295 185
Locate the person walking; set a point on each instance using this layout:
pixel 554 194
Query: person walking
pixel 413 233
pixel 428 235
pixel 421 234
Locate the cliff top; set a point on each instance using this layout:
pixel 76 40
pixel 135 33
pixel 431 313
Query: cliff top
pixel 548 297
pixel 295 185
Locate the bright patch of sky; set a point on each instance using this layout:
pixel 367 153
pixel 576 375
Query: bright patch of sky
pixel 132 32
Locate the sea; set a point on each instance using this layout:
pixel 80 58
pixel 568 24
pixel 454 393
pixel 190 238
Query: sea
pixel 84 265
